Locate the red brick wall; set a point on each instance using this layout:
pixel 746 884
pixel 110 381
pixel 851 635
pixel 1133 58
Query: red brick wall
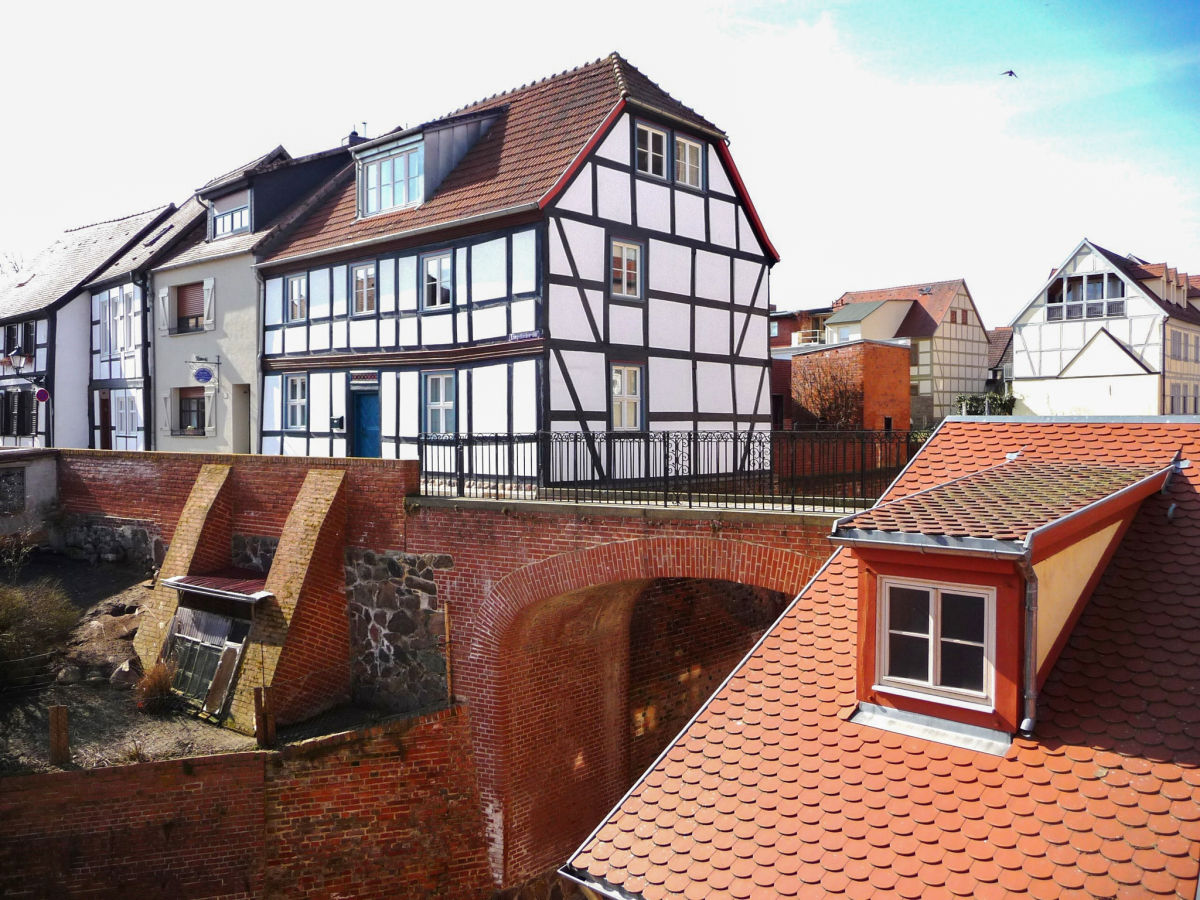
pixel 886 391
pixel 154 487
pixel 881 370
pixel 347 816
pixel 510 561
pixel 685 636
pixel 166 830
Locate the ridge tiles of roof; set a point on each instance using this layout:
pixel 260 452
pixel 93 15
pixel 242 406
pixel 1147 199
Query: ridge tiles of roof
pixel 771 792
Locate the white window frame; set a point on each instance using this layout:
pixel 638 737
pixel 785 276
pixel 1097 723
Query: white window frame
pixel 445 262
pixel 689 169
pixel 295 403
pixel 984 699
pixel 628 250
pixel 774 329
pixel 369 268
pixel 233 221
pixel 448 391
pixel 289 300
pixel 622 399
pixel 651 157
pixel 375 195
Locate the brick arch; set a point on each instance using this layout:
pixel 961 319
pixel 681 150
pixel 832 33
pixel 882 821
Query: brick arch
pixel 485 678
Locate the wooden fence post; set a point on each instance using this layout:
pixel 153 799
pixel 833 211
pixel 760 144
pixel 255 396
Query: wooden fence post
pixel 264 718
pixel 60 737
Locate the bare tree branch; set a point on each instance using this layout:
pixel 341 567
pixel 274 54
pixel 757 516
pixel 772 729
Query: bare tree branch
pixel 829 389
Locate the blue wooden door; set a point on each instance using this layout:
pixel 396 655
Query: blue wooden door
pixel 365 409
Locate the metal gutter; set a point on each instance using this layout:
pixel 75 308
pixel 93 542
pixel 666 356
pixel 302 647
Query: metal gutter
pixel 400 235
pixel 926 543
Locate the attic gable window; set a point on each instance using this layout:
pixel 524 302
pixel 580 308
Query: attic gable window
pixel 391 181
pixel 937 639
pixel 652 151
pixel 688 155
pixel 1085 296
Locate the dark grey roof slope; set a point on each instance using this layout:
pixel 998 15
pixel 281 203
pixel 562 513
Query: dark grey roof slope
pixel 72 261
pixel 154 241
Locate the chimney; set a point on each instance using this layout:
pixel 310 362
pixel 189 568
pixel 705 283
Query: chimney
pixel 353 138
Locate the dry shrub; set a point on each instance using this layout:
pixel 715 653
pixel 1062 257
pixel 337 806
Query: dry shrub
pixel 34 618
pixel 153 692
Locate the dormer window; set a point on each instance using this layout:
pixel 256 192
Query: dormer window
pixel 230 214
pixel 936 639
pixel 231 222
pixel 392 181
pixel 1095 296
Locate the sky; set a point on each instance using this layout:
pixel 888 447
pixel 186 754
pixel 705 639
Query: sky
pixel 878 139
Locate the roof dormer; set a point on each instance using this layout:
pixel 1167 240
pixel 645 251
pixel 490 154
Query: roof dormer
pixel 405 168
pixel 230 214
pixel 968 590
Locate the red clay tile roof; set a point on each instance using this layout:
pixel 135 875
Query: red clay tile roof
pixel 999 344
pixel 771 792
pixel 542 127
pixel 927 311
pixel 1003 503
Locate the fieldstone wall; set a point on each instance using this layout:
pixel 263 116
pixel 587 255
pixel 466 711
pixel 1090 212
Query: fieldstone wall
pixel 254 552
pixel 397 629
pixel 134 542
pixel 12 491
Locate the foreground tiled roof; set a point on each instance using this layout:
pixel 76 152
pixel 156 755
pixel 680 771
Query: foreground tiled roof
pixel 70 262
pixel 999 346
pixel 931 300
pixel 1004 503
pixel 771 792
pixel 541 128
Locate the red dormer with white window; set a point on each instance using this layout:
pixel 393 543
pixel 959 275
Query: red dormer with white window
pixel 968 589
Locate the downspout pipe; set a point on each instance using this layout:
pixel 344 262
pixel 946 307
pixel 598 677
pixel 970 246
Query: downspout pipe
pixel 1029 712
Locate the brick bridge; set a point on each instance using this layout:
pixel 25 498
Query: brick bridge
pixel 581 638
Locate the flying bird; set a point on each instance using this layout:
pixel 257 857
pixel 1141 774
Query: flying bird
pixel 1010 72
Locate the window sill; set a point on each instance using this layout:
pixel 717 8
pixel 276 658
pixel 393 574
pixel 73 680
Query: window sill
pixel 982 705
pixel 192 434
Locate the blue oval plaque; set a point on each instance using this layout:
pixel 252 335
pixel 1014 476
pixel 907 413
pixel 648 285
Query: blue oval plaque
pixel 203 374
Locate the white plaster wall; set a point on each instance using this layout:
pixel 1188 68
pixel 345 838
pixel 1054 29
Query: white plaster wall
pixel 670 324
pixel 689 215
pixel 234 340
pixel 612 195
pixel 615 146
pixel 712 276
pixel 712 330
pixel 671 385
pixel 722 222
pixel 578 196
pixel 653 206
pixel 568 320
pixel 625 325
pixel 1131 395
pixel 72 345
pixel 525 396
pixel 670 267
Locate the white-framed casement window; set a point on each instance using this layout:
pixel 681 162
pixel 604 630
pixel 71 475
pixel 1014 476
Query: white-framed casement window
pixel 362 280
pixel 295 413
pixel 627 397
pixel 437 282
pixel 439 403
pixel 937 639
pixel 651 151
pixel 394 181
pixel 688 162
pixel 626 270
pixel 1092 296
pixel 774 329
pixel 232 222
pixel 296 302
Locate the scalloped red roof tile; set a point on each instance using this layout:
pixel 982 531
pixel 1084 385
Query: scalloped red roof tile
pixel 772 792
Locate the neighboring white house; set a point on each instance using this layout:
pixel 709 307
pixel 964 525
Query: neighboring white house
pixel 948 344
pixel 1109 334
pixel 46 324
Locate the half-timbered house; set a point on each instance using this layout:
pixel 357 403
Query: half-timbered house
pixel 44 319
pixel 579 254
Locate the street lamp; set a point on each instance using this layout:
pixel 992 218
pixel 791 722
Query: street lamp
pixel 19 359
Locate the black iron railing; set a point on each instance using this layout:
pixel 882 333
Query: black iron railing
pixel 785 470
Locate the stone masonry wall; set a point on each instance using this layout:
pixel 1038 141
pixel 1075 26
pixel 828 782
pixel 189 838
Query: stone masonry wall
pixel 254 552
pixel 397 629
pixel 134 542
